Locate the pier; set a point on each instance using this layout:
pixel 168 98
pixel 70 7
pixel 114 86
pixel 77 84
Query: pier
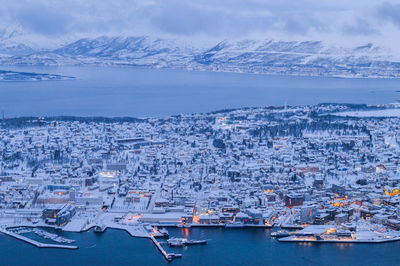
pixel 167 256
pixel 34 242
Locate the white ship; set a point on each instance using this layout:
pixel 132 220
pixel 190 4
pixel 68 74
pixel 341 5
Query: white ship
pixel 179 242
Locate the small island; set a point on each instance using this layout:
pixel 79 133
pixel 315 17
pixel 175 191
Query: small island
pixel 7 75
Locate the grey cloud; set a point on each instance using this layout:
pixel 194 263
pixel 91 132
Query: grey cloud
pixel 234 18
pixel 359 27
pixel 43 20
pixel 207 19
pixel 189 20
pixel 302 24
pixel 185 20
pixel 390 12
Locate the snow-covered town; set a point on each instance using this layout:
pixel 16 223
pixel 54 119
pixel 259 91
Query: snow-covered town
pixel 324 171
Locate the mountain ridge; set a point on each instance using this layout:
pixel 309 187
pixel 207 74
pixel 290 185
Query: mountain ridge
pixel 310 58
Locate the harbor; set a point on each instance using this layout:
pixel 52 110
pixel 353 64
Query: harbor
pixel 251 242
pixel 34 242
pixel 137 231
pixel 278 232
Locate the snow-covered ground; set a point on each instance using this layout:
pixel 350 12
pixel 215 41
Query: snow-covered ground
pixel 376 113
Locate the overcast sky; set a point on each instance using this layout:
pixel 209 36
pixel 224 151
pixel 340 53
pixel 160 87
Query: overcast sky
pixel 347 21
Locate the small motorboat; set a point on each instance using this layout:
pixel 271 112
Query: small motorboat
pixel 99 229
pixel 163 232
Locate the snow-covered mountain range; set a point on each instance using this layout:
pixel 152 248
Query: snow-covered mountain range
pixel 312 58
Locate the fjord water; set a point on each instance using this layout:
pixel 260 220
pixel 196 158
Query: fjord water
pixel 251 246
pixel 140 92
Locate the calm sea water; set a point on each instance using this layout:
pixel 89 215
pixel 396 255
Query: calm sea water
pixel 225 247
pixel 138 92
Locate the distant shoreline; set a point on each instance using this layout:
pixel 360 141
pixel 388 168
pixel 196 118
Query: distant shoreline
pixel 17 76
pixel 116 119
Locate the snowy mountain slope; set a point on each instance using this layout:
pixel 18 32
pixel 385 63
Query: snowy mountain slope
pixel 11 44
pixel 312 58
pixel 299 58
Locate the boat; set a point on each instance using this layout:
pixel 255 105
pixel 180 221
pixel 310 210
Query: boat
pixel 196 242
pixel 234 225
pixel 175 242
pixel 179 242
pixel 163 232
pixel 54 237
pixel 291 226
pixel 280 233
pixel 99 229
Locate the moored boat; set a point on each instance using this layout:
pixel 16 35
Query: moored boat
pixel 280 233
pixel 99 229
pixel 179 242
pixel 234 225
pixel 163 232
